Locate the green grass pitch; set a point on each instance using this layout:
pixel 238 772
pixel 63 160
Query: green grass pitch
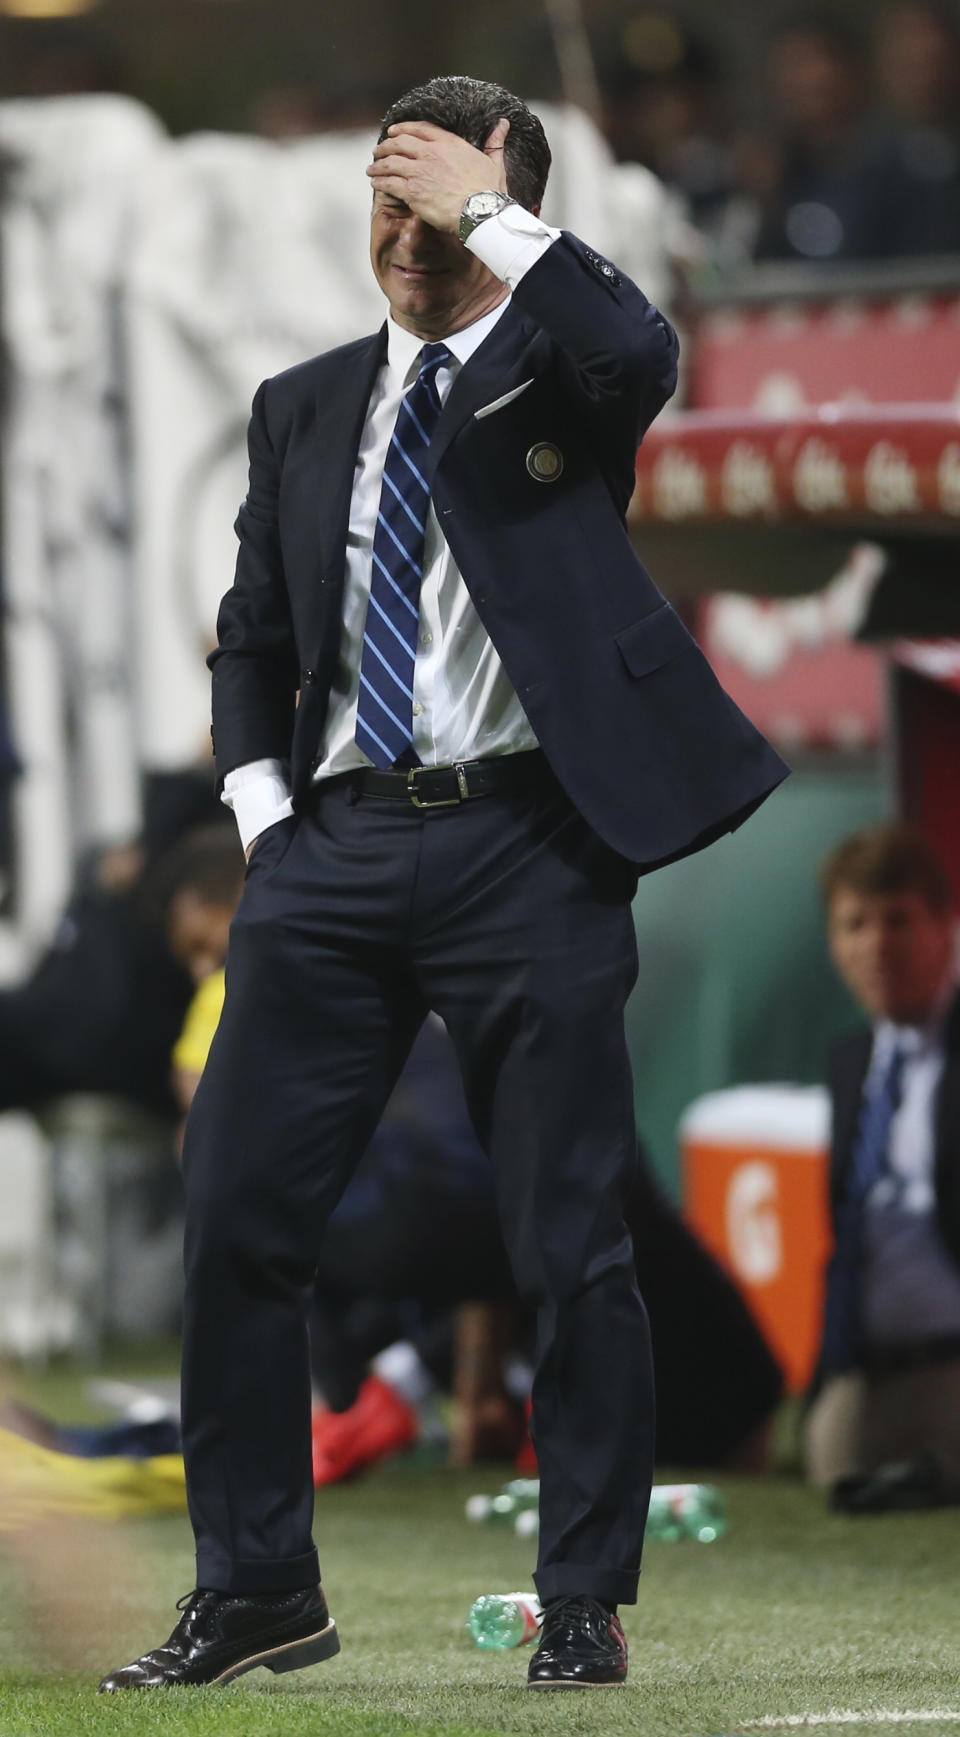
pixel 794 1615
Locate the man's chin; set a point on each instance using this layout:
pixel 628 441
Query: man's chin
pixel 420 306
pixel 900 1010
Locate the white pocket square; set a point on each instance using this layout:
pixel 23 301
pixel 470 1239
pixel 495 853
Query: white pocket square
pixel 498 403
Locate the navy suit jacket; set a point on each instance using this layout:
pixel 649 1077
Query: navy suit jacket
pixel 649 748
pixel 847 1071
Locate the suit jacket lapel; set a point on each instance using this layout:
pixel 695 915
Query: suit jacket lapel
pixel 492 370
pixel 847 1074
pixel 341 408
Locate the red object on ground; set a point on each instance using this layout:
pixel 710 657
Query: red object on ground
pixel 378 1424
pixel 526 1462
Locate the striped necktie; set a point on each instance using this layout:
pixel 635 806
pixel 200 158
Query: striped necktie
pixel 880 1105
pixel 841 1333
pixel 385 701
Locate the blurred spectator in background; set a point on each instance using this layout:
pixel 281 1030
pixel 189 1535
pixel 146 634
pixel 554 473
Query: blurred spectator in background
pixel 822 187
pixel 846 180
pixel 918 64
pixel 918 74
pixel 419 1223
pixel 662 108
pixel 665 103
pixel 884 1429
pixel 202 883
pixel 102 1008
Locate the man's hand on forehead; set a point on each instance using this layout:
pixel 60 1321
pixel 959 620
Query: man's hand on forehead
pixel 434 172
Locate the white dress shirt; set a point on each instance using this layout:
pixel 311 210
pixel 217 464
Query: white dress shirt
pixel 464 705
pixel 911 1285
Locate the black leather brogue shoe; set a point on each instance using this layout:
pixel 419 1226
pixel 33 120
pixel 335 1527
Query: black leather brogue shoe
pixel 581 1647
pixel 221 1635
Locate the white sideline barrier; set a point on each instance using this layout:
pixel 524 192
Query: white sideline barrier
pixel 71 171
pixel 31 1322
pixel 148 285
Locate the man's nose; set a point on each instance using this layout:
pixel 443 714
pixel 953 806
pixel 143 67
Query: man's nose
pixel 887 940
pixel 417 233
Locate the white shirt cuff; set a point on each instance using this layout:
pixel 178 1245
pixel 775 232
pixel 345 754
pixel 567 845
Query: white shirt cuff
pixel 511 242
pixel 259 795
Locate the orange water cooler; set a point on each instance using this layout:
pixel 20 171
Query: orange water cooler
pixel 754 1163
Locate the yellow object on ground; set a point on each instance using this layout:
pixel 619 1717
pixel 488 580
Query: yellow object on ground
pixel 35 1482
pixel 199 1026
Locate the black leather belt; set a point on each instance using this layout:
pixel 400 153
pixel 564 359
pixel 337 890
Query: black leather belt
pixel 448 786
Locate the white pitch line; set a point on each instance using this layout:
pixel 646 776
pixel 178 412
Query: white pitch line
pixel 850 1716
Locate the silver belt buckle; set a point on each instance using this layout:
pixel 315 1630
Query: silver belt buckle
pixel 439 801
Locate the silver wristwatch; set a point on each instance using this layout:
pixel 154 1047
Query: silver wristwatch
pixel 480 206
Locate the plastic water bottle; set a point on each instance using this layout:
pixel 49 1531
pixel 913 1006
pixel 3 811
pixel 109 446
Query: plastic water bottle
pixel 519 1496
pixel 504 1619
pixel 686 1511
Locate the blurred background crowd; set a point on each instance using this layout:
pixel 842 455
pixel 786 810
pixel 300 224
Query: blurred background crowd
pixel 821 133
pixel 182 211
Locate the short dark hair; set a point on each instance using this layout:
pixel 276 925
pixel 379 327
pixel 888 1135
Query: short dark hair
pixel 943 12
pixel 893 858
pixel 471 108
pixel 207 861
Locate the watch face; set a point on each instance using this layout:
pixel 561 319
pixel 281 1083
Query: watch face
pixel 483 204
pixel 477 207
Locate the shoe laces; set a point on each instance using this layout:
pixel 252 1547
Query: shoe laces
pixel 192 1604
pixel 566 1614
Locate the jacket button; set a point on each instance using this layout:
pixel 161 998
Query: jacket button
pixel 308 677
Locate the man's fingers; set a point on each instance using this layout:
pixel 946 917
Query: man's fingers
pixel 394 186
pixel 404 145
pixel 421 129
pixel 392 165
pixel 497 137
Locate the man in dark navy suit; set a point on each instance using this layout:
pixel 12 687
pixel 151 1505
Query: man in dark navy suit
pixel 455 719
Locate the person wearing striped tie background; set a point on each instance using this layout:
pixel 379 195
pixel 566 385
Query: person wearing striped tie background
pixel 884 1428
pixel 455 720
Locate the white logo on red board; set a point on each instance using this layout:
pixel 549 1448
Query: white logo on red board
pixel 747 482
pixel 889 480
pixel 820 477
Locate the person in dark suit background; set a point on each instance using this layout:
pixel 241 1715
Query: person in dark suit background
pixel 419 1221
pixel 500 723
pixel 889 1381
